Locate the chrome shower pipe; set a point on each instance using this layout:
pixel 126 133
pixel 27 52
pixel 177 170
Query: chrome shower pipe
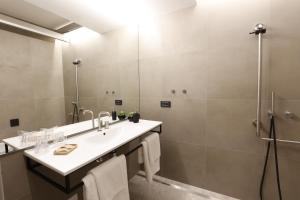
pixel 272 104
pixel 76 63
pixel 259 30
pixel 76 109
pixel 76 84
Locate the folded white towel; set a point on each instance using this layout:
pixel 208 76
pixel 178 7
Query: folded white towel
pixel 151 155
pixel 110 180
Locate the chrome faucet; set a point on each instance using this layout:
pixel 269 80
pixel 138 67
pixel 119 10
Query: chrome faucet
pixel 92 113
pixel 101 124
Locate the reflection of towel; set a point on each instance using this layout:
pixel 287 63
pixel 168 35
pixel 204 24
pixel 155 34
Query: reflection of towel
pixel 110 181
pixel 151 155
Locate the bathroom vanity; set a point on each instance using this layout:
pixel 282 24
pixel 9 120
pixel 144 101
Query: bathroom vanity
pixel 92 146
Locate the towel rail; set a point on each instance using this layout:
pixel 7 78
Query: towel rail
pixel 280 140
pixel 67 187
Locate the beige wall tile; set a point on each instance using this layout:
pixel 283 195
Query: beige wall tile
pixel 233 173
pixel 179 162
pixel 50 112
pixel 229 125
pixel 179 121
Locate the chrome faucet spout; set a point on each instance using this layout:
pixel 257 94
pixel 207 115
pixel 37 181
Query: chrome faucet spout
pixel 92 114
pixel 100 122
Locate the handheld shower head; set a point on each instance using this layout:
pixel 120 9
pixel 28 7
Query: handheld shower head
pixel 76 62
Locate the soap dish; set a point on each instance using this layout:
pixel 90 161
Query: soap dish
pixel 65 150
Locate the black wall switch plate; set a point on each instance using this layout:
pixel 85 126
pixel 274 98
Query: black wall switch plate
pixel 14 122
pixel 118 102
pixel 165 104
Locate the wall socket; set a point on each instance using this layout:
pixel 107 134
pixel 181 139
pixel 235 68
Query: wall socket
pixel 14 122
pixel 165 104
pixel 118 102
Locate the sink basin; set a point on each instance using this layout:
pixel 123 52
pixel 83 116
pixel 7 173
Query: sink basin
pixel 106 136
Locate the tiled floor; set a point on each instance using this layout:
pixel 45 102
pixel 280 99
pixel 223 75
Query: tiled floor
pixel 165 189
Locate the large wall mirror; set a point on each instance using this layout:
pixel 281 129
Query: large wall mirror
pixel 38 78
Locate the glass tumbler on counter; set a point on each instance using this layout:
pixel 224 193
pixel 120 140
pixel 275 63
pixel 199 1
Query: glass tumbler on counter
pixel 59 137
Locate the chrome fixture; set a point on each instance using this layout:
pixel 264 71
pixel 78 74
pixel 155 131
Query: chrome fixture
pixel 184 91
pixel 92 114
pixel 289 115
pixel 173 91
pixel 283 141
pixel 75 103
pixel 259 30
pixel 272 111
pixel 102 124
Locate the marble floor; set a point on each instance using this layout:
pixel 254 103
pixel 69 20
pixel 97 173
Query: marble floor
pixel 166 189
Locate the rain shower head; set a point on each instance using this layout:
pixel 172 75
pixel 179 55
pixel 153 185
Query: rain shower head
pixel 259 29
pixel 76 62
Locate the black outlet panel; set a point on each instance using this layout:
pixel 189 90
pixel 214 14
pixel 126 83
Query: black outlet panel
pixel 14 122
pixel 118 102
pixel 165 104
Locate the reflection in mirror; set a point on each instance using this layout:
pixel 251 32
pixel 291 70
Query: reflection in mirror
pixel 107 75
pixel 38 81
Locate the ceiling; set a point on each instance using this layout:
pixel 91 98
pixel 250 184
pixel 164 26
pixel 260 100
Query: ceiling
pixel 29 13
pixel 99 15
pixel 106 15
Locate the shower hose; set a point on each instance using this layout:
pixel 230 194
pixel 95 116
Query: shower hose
pixel 272 134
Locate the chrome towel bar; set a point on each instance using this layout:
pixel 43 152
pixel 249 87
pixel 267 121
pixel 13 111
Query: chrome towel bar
pixel 283 141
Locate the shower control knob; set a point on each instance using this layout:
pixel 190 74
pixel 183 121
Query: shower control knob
pixel 289 115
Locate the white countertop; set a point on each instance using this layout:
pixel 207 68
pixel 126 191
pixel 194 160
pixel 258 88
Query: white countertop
pixel 91 146
pixel 68 130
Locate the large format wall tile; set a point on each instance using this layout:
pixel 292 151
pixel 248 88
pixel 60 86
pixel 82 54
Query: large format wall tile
pixel 229 125
pixel 233 173
pixel 184 113
pixel 183 162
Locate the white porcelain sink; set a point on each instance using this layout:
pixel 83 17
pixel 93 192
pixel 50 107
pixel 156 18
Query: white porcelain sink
pixel 106 135
pixel 92 145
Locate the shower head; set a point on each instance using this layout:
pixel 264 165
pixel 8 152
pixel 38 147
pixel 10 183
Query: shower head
pixel 259 28
pixel 76 62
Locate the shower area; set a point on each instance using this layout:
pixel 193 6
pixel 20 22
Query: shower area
pixel 209 138
pixel 220 84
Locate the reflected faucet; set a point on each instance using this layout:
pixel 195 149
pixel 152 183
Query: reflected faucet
pixel 92 113
pixel 100 122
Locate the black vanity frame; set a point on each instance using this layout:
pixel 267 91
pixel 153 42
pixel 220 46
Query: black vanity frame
pixel 66 187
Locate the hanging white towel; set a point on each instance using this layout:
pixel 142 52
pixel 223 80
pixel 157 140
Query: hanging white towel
pixel 151 155
pixel 90 188
pixel 111 179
